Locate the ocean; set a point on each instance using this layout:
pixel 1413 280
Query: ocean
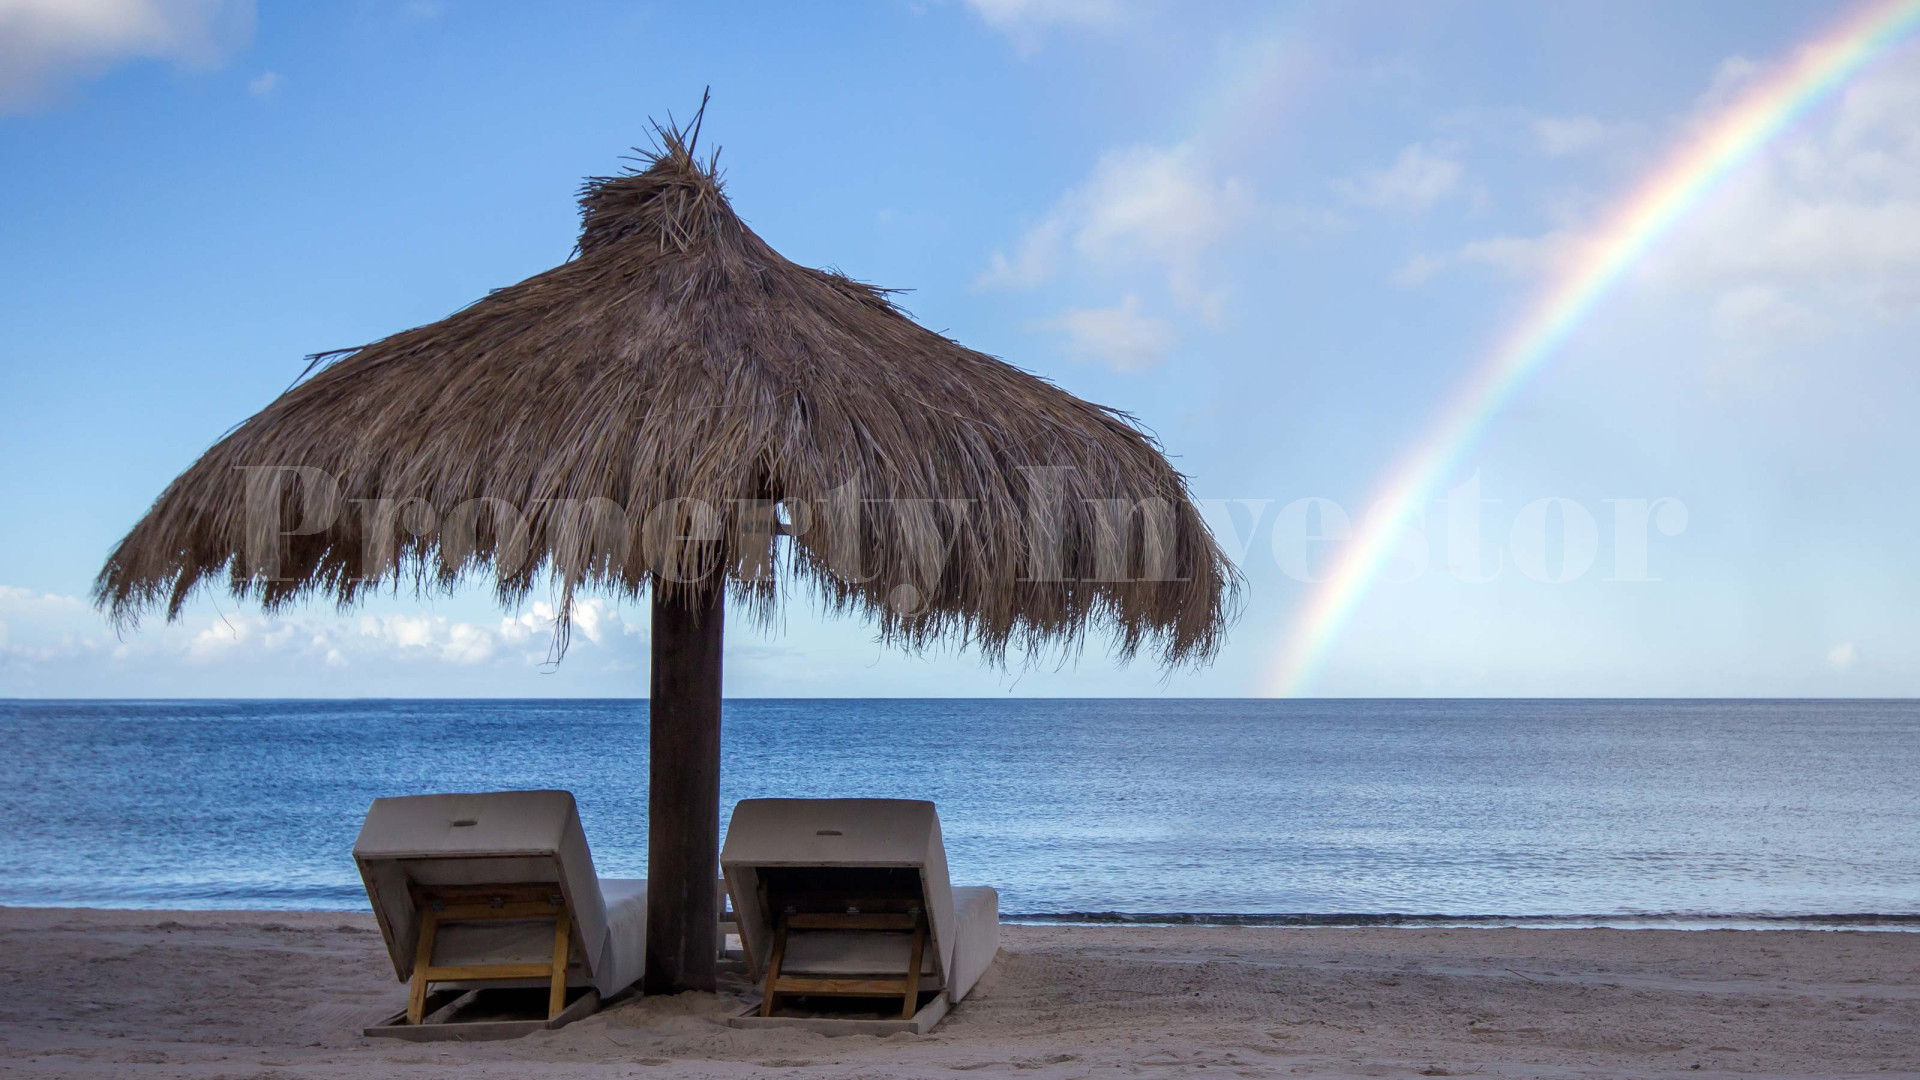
pixel 1551 812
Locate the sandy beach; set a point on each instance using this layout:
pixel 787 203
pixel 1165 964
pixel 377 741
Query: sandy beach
pixel 264 994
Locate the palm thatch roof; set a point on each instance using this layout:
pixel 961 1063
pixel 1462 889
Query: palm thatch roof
pixel 631 418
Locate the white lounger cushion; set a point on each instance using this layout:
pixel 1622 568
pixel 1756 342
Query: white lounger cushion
pixel 623 959
pixel 976 941
pixel 500 838
pixel 905 833
pixel 622 956
pixel 835 832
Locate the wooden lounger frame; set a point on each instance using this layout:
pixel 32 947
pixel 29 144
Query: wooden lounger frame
pixel 906 988
pixel 442 904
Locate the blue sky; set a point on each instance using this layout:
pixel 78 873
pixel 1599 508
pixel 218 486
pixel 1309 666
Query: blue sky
pixel 1278 234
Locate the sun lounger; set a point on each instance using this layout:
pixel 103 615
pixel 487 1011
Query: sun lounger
pixel 496 891
pixel 844 898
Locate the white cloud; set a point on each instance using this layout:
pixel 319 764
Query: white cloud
pixel 593 619
pixel 42 626
pixel 1560 136
pixel 1417 269
pixel 47 43
pixel 1527 257
pixel 337 642
pixel 1842 656
pixel 1750 313
pixel 1034 259
pixel 1789 234
pixel 1119 337
pixel 264 85
pixel 1024 21
pixel 1730 77
pixel 466 644
pixel 220 637
pixel 1821 230
pixel 1420 177
pixel 599 620
pixel 45 627
pixel 1163 207
pixel 15 598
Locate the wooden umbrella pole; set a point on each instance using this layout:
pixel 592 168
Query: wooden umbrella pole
pixel 683 793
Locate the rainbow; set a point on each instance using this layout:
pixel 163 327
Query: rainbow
pixel 1685 178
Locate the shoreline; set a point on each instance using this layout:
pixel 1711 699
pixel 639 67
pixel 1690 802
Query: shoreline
pixel 1888 922
pixel 111 993
pixel 1895 922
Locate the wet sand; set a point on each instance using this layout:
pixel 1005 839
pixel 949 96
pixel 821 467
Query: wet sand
pixel 87 993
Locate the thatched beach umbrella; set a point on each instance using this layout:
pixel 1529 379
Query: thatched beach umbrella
pixel 651 416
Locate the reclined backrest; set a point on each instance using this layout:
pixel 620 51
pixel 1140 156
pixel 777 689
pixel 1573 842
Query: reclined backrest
pixel 824 855
pixel 492 838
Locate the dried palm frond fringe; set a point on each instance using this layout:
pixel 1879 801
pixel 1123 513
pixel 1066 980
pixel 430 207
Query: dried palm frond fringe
pixel 630 420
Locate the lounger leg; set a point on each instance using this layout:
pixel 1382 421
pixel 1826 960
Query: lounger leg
pixel 557 996
pixel 912 996
pixel 422 960
pixel 773 967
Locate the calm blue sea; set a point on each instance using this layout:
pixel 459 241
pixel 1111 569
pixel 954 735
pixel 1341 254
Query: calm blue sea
pixel 1557 810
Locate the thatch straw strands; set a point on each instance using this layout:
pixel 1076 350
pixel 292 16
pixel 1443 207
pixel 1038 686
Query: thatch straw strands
pixel 629 420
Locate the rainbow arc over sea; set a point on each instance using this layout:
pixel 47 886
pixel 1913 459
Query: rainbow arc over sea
pixel 1689 173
